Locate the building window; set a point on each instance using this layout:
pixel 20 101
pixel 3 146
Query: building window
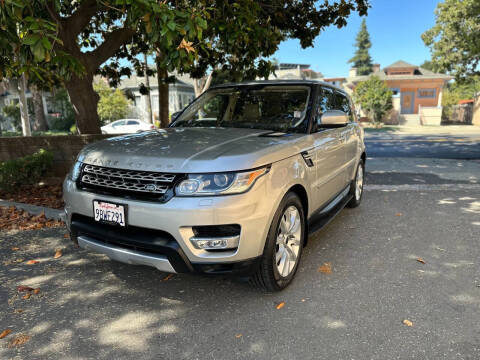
pixel 395 91
pixel 427 93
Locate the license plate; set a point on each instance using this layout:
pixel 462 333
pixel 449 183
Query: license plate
pixel 109 212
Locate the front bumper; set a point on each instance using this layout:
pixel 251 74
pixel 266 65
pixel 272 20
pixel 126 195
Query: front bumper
pixel 159 235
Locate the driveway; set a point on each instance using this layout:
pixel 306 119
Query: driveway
pixel 92 308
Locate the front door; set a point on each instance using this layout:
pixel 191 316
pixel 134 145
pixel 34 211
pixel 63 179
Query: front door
pixel 407 102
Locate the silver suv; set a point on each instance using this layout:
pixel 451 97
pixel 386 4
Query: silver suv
pixel 234 185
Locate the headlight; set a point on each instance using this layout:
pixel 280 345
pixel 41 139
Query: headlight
pixel 75 172
pixel 219 184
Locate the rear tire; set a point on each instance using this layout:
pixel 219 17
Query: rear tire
pixel 356 186
pixel 283 246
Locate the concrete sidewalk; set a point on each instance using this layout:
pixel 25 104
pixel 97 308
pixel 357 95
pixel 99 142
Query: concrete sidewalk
pixel 443 130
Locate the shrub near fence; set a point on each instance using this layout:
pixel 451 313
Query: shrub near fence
pixel 25 170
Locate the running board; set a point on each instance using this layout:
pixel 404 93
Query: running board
pixel 323 217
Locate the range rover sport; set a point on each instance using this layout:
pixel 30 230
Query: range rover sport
pixel 234 185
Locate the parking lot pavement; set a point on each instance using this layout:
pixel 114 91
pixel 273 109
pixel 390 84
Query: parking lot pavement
pixel 92 308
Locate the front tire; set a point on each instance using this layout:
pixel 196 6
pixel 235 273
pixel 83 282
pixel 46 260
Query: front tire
pixel 283 247
pixel 356 187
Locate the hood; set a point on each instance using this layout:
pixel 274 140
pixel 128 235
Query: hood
pixel 194 150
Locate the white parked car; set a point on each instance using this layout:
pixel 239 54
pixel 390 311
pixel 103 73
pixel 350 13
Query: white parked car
pixel 126 126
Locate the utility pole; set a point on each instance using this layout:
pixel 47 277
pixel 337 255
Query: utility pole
pixel 148 101
pixel 22 85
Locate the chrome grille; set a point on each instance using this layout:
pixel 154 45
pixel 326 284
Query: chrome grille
pixel 126 180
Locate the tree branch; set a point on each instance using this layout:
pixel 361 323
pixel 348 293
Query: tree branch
pixel 51 11
pixel 109 47
pixel 76 22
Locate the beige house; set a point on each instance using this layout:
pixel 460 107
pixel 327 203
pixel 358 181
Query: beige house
pixel 417 92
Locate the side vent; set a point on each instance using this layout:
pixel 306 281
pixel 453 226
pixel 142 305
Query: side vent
pixel 308 158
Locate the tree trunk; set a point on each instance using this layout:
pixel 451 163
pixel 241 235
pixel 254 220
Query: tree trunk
pixel 84 100
pixel 148 100
pixel 163 109
pixel 22 85
pixel 40 123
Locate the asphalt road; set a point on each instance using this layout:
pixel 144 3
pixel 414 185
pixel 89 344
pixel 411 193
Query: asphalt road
pixel 93 308
pixel 441 147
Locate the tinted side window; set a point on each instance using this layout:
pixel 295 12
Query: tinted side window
pixel 132 122
pixel 325 101
pixel 342 103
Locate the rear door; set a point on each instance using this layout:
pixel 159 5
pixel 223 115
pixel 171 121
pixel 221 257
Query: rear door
pixel 329 151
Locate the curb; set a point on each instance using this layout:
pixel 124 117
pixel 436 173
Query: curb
pixel 54 214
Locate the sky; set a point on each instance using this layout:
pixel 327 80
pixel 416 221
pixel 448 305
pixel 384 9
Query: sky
pixel 395 28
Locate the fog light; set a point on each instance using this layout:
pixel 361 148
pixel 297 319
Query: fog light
pixel 228 242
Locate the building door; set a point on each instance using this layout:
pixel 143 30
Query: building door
pixel 407 102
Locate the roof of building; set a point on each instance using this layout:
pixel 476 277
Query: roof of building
pixel 134 81
pixel 419 73
pixel 400 64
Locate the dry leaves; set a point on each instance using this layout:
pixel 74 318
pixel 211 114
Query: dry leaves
pixel 19 340
pixel 32 262
pixel 280 305
pixel 407 322
pixel 41 195
pixel 21 288
pixel 238 336
pixel 168 277
pixel 17 219
pixel 5 333
pixel 15 248
pixel 326 268
pixel 420 260
pixel 66 235
pixel 187 45
pixel 58 253
pixel 26 296
pixel 398 214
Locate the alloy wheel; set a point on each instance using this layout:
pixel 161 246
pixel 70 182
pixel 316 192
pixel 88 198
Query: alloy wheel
pixel 288 241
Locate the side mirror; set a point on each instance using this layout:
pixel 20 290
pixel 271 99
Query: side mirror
pixel 334 117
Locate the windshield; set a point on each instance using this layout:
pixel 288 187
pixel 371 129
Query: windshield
pixel 278 108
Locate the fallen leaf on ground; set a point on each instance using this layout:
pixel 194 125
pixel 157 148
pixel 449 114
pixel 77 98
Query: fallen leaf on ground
pixel 398 214
pixel 407 322
pixel 66 236
pixel 58 253
pixel 36 291
pixel 32 262
pixel 420 260
pixel 280 305
pixel 19 340
pixel 15 248
pixel 21 288
pixel 18 311
pixel 168 277
pixel 5 333
pixel 238 336
pixel 326 268
pixel 26 296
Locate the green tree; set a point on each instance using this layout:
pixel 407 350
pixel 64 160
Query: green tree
pixel 362 60
pixel 113 104
pixel 453 41
pixel 374 97
pixel 71 41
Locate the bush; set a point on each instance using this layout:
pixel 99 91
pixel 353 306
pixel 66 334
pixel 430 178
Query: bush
pixel 25 170
pixel 374 97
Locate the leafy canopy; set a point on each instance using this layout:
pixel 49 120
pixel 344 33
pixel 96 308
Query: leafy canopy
pixel 374 97
pixel 113 104
pixel 454 40
pixel 362 60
